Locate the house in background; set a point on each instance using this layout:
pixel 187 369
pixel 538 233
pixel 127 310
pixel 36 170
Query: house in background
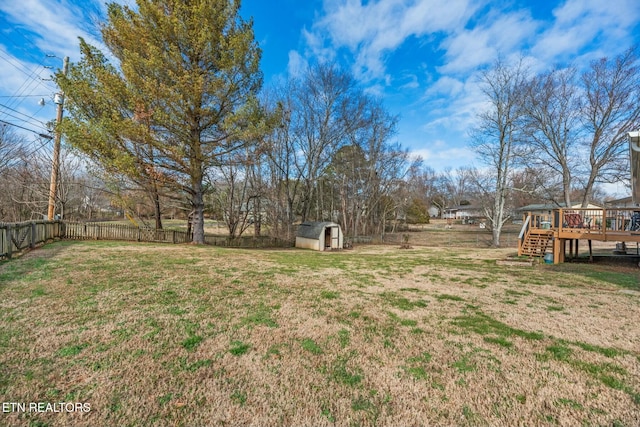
pixel 625 202
pixel 319 236
pixel 466 213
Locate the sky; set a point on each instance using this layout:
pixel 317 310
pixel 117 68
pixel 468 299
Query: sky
pixel 422 58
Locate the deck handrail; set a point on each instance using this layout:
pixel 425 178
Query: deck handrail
pixel 525 226
pixel 601 221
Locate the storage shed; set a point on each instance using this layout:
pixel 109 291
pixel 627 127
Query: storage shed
pixel 319 236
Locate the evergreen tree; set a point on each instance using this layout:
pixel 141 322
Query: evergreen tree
pixel 179 96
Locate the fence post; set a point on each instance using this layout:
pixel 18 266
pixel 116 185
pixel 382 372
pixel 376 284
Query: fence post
pixel 9 241
pixel 32 243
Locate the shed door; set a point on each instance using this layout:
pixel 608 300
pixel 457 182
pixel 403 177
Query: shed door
pixel 335 238
pixel 327 238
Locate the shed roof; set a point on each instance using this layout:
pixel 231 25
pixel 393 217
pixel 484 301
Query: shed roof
pixel 313 230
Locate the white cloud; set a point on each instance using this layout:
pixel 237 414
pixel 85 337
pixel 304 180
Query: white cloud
pixel 412 82
pixel 496 35
pixel 296 65
pixel 446 86
pixel 440 156
pixel 56 26
pixel 372 30
pixel 579 22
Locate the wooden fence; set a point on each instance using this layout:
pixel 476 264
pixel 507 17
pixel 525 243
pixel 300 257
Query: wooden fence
pixel 96 231
pixel 18 237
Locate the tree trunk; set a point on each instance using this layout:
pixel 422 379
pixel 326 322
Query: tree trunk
pixel 197 202
pixel 496 236
pixel 156 205
pixel 257 217
pixel 566 187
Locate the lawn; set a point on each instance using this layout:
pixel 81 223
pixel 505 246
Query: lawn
pixel 151 334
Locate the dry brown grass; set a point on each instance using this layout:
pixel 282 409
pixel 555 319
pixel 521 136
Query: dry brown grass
pixel 182 335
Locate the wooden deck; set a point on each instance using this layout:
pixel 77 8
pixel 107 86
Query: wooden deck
pixel 562 225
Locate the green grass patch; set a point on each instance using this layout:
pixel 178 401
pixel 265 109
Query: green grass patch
pixel 192 342
pixel 329 295
pixel 408 322
pixel 559 352
pixel 605 351
pixel 261 315
pixel 341 373
pixel 448 297
pixel 239 397
pixel 402 303
pixel 238 348
pixel 71 350
pixel 482 324
pixel 311 346
pixel 344 338
pixel 501 341
pixel 464 364
pixel 362 403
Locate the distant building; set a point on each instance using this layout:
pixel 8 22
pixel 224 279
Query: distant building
pixel 463 212
pixel 625 202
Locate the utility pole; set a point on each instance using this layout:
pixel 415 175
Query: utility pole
pixel 55 165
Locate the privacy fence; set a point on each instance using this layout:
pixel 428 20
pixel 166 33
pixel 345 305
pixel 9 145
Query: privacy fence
pixel 18 237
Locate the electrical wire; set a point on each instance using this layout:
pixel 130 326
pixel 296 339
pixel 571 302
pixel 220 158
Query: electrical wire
pixel 24 128
pixel 29 119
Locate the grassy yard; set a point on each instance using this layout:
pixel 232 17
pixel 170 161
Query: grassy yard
pixel 150 334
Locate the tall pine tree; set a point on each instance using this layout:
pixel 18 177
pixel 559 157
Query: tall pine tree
pixel 180 95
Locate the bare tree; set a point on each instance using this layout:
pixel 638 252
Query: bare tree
pixel 611 109
pixel 326 109
pixel 283 178
pixel 551 114
pixel 496 136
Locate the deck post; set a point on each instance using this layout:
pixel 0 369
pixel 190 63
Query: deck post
pixel 556 251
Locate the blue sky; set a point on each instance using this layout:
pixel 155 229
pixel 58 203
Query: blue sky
pixel 422 57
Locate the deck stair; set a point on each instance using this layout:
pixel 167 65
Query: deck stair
pixel 536 243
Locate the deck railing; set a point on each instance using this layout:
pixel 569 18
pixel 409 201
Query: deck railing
pixel 585 221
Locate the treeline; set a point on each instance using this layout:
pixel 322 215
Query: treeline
pixel 180 126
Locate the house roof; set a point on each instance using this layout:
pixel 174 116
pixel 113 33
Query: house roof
pixel 313 230
pixel 624 200
pixel 551 206
pixel 542 207
pixel 463 208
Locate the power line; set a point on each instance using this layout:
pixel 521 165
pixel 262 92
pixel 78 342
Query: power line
pixel 27 129
pixel 43 144
pixel 22 120
pixel 28 84
pixel 23 96
pixel 12 42
pixel 31 119
pixel 20 67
